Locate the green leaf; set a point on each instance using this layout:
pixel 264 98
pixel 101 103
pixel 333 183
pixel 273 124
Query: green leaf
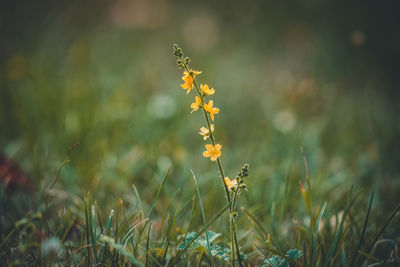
pixel 200 243
pixel 276 261
pixel 189 237
pixel 223 253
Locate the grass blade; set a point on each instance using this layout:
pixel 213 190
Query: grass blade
pixel 191 218
pixel 109 224
pixel 363 232
pixel 92 227
pixel 138 200
pixel 147 245
pixel 383 229
pixel 339 231
pixel 314 240
pixel 158 192
pixel 202 214
pixel 87 231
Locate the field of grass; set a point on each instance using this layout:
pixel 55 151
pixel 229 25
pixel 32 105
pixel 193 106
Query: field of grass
pixel 101 161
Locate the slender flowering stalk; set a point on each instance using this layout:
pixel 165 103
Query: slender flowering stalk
pixel 189 76
pixel 233 188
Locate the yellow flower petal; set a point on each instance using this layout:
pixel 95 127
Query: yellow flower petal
pixel 206 154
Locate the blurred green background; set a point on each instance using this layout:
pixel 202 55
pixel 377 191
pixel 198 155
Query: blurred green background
pixel 318 74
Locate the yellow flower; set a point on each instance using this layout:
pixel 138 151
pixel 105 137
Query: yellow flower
pixel 230 183
pixel 205 89
pixel 188 77
pixel 205 132
pixel 213 152
pixel 195 105
pixel 209 108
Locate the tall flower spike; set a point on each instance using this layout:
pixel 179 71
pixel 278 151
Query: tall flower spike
pixel 205 132
pixel 210 109
pixel 206 90
pixel 195 105
pixel 212 152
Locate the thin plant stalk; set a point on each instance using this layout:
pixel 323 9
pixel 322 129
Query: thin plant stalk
pixel 221 171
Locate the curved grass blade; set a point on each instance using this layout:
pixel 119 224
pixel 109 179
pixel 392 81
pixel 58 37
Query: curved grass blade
pixel 339 232
pixel 147 245
pixel 191 218
pixel 383 229
pixel 203 215
pixel 314 240
pixel 363 232
pixel 158 192
pixel 138 200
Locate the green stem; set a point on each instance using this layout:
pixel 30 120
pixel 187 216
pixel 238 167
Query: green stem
pixel 231 236
pixel 234 201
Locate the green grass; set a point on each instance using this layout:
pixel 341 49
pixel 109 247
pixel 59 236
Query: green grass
pixel 340 234
pixel 333 202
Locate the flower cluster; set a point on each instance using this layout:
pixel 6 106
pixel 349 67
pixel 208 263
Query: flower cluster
pixel 213 150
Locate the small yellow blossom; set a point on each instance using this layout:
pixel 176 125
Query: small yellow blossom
pixel 188 77
pixel 213 152
pixel 205 132
pixel 205 89
pixel 230 183
pixel 209 108
pixel 195 105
